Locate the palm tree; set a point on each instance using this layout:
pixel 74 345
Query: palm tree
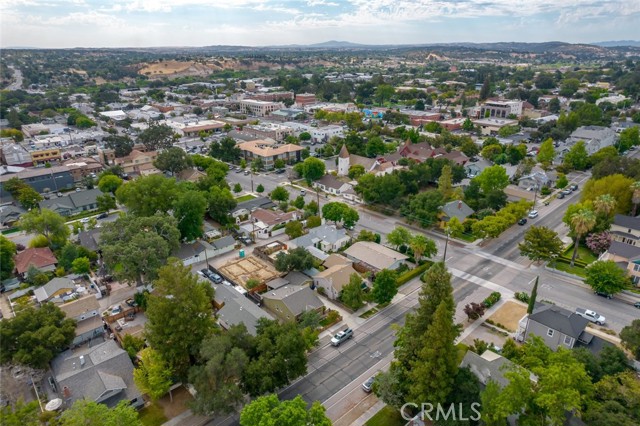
pixel 635 186
pixel 418 244
pixel 582 222
pixel 605 205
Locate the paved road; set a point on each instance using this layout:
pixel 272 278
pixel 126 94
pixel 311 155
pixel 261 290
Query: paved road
pixel 17 79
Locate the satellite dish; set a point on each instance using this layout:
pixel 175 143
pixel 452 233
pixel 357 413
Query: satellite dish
pixel 53 405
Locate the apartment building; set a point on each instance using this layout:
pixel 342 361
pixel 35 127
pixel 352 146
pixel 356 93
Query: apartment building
pixel 501 109
pixel 258 108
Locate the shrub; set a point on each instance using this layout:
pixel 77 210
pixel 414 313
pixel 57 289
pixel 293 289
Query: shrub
pixel 492 299
pixel 332 317
pixel 545 190
pixel 409 275
pixel 522 296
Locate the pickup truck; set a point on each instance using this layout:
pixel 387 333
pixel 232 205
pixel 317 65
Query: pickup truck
pixel 591 316
pixel 342 336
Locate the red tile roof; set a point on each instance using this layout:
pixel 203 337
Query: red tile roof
pixel 38 257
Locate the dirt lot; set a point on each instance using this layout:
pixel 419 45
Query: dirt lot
pixel 509 314
pixel 181 397
pixel 241 270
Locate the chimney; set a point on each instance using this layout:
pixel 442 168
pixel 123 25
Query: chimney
pixel 460 205
pixel 82 362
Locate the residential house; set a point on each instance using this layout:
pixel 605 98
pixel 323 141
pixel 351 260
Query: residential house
pixel 90 239
pixel 289 302
pixel 42 179
pixel 491 126
pixel 42 258
pixel 268 152
pixel 64 289
pixel 489 366
pixel 86 312
pixel 198 251
pixel 138 163
pixel 83 167
pixel 10 214
pixel 244 208
pixel 102 373
pixel 626 229
pixel 537 179
pixel 375 257
pixel 458 209
pixel 332 185
pixel 73 203
pixel 334 278
pixel 626 256
pixel 325 237
pixel 292 279
pixel 235 308
pixel 223 245
pixel 594 137
pixel 266 221
pixel 421 152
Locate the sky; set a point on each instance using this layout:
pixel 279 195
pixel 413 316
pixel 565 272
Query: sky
pixel 149 23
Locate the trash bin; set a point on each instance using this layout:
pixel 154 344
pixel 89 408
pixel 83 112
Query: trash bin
pixel 241 253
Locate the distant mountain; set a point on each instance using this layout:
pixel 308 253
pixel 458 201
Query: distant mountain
pixel 617 43
pixel 333 44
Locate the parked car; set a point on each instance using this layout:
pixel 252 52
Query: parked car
pixel 573 187
pixel 280 171
pixel 560 196
pixel 604 294
pixel 368 385
pixel 342 336
pixel 566 191
pixel 522 221
pixel 102 216
pixel 116 310
pixel 533 214
pixel 247 172
pixel 592 316
pixel 636 305
pixel 238 170
pixel 84 220
pixel 303 192
pixel 131 302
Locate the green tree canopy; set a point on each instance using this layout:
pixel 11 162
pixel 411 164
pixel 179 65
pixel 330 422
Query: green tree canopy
pixel 148 195
pixel 121 145
pixel 279 194
pixel 294 229
pixel 109 183
pixel 268 410
pixel 605 276
pixel 340 212
pixel 630 336
pixel 189 209
pixel 84 412
pixel 384 286
pixel 48 223
pixel 493 178
pixel 152 375
pixel 311 169
pixel 399 236
pixel 221 202
pixel 577 158
pixel 7 251
pixel 541 244
pixel 619 187
pixel 225 150
pixel 173 160
pixel 298 259
pixel 157 137
pixel 547 153
pixel 352 294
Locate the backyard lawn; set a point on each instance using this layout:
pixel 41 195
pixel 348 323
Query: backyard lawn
pixel 245 198
pixel 388 416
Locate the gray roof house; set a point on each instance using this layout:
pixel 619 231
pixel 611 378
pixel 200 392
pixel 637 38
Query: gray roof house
pixel 236 309
pixel 90 239
pixel 594 137
pixel 10 214
pixel 54 289
pixel 246 207
pixel 374 256
pixel 102 373
pixel 73 203
pixel 537 179
pixel 626 229
pixel 289 302
pixel 456 208
pixel 325 237
pixel 489 366
pixel 331 184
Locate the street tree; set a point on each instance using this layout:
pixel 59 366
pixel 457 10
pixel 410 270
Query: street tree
pixel 280 194
pixel 445 185
pixel 352 294
pixel 384 286
pixel 294 229
pixel 298 202
pixel 28 197
pixel 134 248
pixel 468 126
pixel 577 158
pixel 340 212
pixel 547 153
pixel 434 371
pixel 152 375
pixel 7 251
pixel 605 276
pixel 268 410
pixel 157 137
pixel 617 186
pixel 279 163
pixel 109 183
pixel 221 202
pixel 148 195
pixel 257 164
pixel 541 244
pixel 121 145
pixel 421 245
pixel 311 169
pixel 298 259
pixel 35 336
pixel 85 412
pixel 179 316
pixel 189 209
pixel 260 189
pixel 313 222
pixel 225 150
pixel 217 380
pixel 237 188
pixel 399 236
pixel 581 222
pixel 47 223
pixel 630 336
pixel 106 202
pixel 493 178
pixel 562 181
pixel 173 160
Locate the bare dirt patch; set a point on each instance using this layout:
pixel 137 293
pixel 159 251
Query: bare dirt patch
pixel 181 399
pixel 509 315
pixel 242 270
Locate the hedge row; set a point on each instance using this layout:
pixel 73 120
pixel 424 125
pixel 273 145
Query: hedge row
pixel 409 275
pixel 492 299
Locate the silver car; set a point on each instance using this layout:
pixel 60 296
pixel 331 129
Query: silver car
pixel 368 385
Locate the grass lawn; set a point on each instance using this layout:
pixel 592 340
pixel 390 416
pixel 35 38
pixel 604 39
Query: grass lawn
pixel 245 198
pixel 584 254
pixel 152 415
pixel 388 416
pixel 576 270
pixel 369 313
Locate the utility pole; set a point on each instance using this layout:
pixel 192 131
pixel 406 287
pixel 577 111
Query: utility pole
pixel 446 244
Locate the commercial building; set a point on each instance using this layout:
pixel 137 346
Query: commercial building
pixel 259 108
pixel 501 109
pixel 269 152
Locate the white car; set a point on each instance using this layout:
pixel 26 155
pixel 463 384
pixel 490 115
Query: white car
pixel 85 220
pixel 533 214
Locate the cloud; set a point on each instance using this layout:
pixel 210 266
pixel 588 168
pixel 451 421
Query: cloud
pixel 315 3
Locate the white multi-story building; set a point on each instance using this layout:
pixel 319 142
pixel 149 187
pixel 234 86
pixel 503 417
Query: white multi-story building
pixel 501 109
pixel 259 108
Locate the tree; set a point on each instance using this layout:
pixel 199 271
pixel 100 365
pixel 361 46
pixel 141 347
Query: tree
pixel 109 183
pixel 121 145
pixel 237 188
pixel 492 178
pixel 383 93
pixel 399 236
pixel 148 195
pixel 615 401
pixel 298 259
pixel 179 315
pixel 152 376
pixel 433 372
pixel 133 344
pixel 279 163
pixel 81 266
pixel 268 410
pixel 533 297
pixel 157 137
pixel 20 414
pixel 173 160
pixel 298 202
pixel 628 137
pixel 630 337
pixel 599 242
pixel 217 379
pixel 581 222
pixel 445 185
pixel 136 256
pixel 541 244
pixel 352 294
pixel 454 227
pixel 607 277
pixel 485 91
pixel 474 311
pixel 467 126
pixel 48 223
pixel 7 251
pixel 28 197
pixel 313 222
pixel 356 171
pixel 311 169
pixel 221 202
pixel 106 202
pixel 577 158
pixel 225 150
pixel 422 245
pixel 35 336
pixel 562 181
pixel 617 186
pixel 260 189
pixel 257 164
pixel 293 229
pixel 85 412
pixel 280 194
pixel 189 209
pixel 547 153
pixel 635 198
pixel 340 212
pixel 604 205
pixel 384 286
